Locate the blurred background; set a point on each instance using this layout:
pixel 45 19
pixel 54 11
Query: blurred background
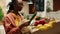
pixel 44 8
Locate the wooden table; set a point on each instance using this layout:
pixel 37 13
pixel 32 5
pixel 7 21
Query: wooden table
pixel 54 30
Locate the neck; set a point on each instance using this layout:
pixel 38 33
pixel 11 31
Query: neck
pixel 16 12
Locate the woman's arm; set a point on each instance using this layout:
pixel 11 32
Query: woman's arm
pixel 18 29
pixel 24 24
pixel 7 24
pixel 9 27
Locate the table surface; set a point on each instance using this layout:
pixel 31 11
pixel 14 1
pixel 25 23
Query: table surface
pixel 54 30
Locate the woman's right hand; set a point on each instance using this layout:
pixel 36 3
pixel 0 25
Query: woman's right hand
pixel 24 24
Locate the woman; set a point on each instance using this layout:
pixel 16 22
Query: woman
pixel 13 20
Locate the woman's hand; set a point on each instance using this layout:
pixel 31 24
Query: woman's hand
pixel 24 24
pixel 24 27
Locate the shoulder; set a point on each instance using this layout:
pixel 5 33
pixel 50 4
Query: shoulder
pixel 8 15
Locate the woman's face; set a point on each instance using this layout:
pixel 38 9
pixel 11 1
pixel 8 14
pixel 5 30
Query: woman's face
pixel 18 6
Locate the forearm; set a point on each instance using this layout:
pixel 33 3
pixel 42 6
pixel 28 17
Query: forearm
pixel 16 29
pixel 13 30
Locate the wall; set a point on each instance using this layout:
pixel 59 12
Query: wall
pixel 2 4
pixel 55 15
pixel 56 5
pixel 43 14
pixel 25 8
pixel 51 4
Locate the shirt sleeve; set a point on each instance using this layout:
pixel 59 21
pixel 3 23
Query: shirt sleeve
pixel 9 27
